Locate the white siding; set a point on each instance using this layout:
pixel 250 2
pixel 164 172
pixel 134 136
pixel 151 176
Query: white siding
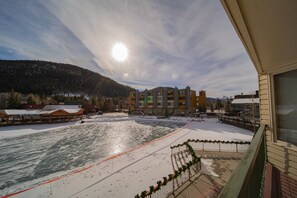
pixel 280 156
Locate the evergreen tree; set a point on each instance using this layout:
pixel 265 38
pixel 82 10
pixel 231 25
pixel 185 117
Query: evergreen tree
pixel 30 100
pixel 93 100
pixel 13 100
pixel 218 104
pixel 202 109
pixel 227 105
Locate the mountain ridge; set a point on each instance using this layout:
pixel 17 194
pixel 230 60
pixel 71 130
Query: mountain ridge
pixel 51 78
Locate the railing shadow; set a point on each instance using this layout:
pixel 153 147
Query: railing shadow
pixel 248 178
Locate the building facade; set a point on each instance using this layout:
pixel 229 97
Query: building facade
pixel 47 114
pixel 163 101
pixel 268 31
pixel 246 105
pixel 201 101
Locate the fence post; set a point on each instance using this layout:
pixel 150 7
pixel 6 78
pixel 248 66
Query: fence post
pixel 219 146
pixel 173 185
pixel 189 173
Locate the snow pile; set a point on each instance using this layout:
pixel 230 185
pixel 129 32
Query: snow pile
pixel 207 167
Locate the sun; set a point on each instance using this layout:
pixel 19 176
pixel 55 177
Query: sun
pixel 119 52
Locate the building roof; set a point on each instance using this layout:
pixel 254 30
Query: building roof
pixel 55 107
pixel 71 111
pixel 20 112
pixel 246 101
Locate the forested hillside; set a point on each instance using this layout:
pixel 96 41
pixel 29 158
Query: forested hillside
pixel 49 78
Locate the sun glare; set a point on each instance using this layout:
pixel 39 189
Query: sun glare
pixel 119 52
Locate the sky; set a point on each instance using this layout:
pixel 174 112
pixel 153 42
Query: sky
pixel 170 42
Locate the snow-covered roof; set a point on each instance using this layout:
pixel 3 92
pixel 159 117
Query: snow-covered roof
pixel 20 112
pixel 55 107
pixel 245 101
pixel 66 110
pixel 48 111
pixel 72 110
pixel 11 112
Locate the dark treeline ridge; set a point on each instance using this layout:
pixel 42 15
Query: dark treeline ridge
pixel 50 78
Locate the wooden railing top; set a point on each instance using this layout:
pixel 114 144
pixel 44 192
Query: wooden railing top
pixel 240 177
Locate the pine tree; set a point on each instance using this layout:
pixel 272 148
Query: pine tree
pixel 219 104
pixel 227 105
pixel 13 100
pixel 30 100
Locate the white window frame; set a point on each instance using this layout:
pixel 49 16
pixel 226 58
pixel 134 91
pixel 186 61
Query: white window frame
pixel 271 94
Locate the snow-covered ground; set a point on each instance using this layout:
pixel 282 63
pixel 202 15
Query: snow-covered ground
pixel 13 131
pixel 102 157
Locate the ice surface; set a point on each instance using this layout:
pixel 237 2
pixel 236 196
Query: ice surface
pixel 122 175
pixel 27 157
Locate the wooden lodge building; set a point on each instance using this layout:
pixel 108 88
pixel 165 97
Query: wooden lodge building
pixel 48 114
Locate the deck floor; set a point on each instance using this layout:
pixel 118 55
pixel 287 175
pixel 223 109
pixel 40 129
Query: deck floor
pixel 203 185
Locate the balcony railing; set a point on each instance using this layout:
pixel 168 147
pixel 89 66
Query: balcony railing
pixel 236 121
pixel 248 178
pixel 181 175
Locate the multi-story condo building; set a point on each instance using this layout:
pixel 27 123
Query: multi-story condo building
pixel 201 101
pixel 163 101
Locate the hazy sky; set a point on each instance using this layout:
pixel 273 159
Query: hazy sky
pixel 170 42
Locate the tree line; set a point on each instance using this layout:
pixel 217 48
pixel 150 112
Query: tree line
pixel 16 100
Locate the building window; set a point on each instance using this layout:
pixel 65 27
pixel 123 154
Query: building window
pixel 170 104
pixel 160 98
pixel 286 106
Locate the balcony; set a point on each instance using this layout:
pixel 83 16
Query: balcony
pixel 248 178
pixel 255 177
